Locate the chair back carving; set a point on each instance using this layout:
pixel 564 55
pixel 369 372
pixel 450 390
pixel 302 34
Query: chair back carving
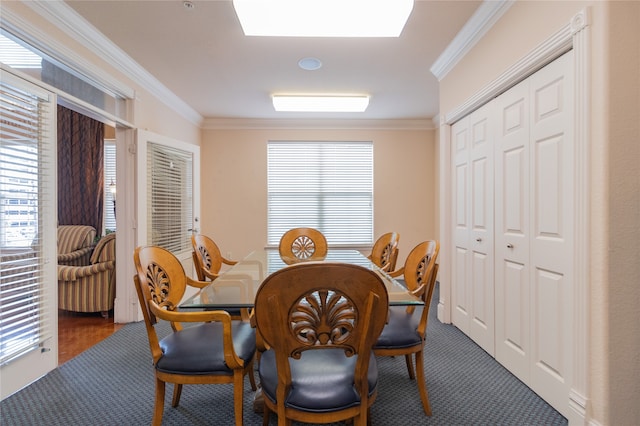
pixel 162 279
pixel 419 267
pixel 385 251
pixel 302 244
pixel 326 306
pixel 207 257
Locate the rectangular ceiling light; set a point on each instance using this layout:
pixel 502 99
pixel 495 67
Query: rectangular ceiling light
pixel 299 103
pixel 323 18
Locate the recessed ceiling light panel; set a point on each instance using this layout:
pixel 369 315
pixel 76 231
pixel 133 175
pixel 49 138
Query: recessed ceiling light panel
pixel 323 18
pixel 320 103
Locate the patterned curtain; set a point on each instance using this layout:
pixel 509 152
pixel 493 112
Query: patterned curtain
pixel 80 169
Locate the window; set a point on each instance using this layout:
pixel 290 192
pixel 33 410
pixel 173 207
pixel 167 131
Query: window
pixel 26 189
pixel 170 183
pixel 109 185
pixel 322 185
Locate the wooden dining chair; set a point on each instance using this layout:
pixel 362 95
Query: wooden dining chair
pixel 406 328
pixel 207 258
pixel 385 251
pixel 208 261
pixel 302 244
pixel 214 350
pixel 319 366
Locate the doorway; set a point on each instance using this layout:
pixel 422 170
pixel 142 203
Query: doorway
pixel 86 175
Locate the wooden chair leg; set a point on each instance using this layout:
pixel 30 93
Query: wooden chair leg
pixel 422 385
pixel 238 393
pixel 266 414
pixel 158 404
pixel 252 378
pixel 409 361
pixel 177 391
pixel 282 417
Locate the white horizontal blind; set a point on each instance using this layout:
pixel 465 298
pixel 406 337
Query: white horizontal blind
pixel 109 179
pixel 322 185
pixel 169 197
pixel 26 160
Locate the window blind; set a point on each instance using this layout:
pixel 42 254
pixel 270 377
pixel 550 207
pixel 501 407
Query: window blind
pixel 109 180
pixel 26 161
pixel 169 197
pixel 322 185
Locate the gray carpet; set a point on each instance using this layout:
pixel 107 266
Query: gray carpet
pixel 112 384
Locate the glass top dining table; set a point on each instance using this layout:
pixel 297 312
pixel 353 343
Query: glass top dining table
pixel 237 287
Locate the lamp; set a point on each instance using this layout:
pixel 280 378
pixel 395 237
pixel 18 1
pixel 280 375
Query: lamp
pixel 323 18
pixel 320 103
pixel 112 189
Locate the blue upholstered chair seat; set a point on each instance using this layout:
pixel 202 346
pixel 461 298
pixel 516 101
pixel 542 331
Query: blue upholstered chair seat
pixel 400 330
pixel 199 349
pixel 318 380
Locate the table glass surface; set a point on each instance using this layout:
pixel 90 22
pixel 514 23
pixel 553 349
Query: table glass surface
pixel 237 287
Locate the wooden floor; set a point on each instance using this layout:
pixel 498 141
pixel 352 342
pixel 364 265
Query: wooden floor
pixel 77 332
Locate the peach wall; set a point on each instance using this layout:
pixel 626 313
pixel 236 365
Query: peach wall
pixel 527 24
pixel 614 329
pixel 234 184
pixel 622 342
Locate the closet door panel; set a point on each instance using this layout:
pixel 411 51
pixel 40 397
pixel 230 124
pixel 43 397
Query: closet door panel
pixel 482 323
pixel 512 279
pixel 552 228
pixel 460 277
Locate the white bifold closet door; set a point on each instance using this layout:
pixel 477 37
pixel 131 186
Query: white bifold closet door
pixel 534 230
pixel 513 214
pixel 473 281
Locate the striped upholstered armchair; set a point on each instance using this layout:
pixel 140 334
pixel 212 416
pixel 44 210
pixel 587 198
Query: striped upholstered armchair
pixel 90 288
pixel 75 244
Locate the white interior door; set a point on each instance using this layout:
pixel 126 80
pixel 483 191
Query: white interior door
pixel 472 277
pixel 512 230
pixel 512 279
pixel 168 194
pixel 552 229
pixel 461 255
pixel 534 230
pixel 28 248
pixel 482 324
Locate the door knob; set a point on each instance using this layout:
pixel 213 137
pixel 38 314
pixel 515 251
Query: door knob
pixel 509 245
pixel 478 239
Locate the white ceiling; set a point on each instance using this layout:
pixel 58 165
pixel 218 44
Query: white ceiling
pixel 202 56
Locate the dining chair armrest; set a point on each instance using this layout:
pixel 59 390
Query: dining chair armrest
pixel 397 273
pixel 197 283
pixel 189 316
pixel 232 360
pixel 228 261
pixel 384 268
pixel 419 292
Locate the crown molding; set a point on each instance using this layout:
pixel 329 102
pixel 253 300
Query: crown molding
pixel 59 14
pixel 315 124
pixel 480 22
pixel 558 43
